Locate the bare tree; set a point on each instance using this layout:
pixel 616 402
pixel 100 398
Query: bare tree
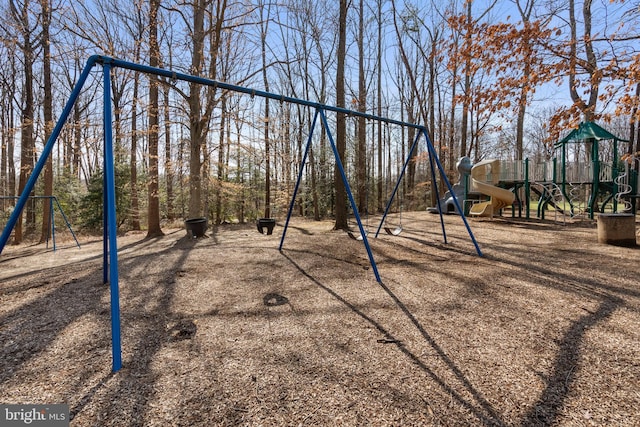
pixel 525 13
pixel 361 147
pixel 45 19
pixel 414 102
pixel 264 10
pixel 20 14
pixel 467 40
pixel 137 27
pixel 153 210
pixel 380 172
pixel 8 92
pixel 341 130
pixel 168 159
pixel 200 112
pixel 590 64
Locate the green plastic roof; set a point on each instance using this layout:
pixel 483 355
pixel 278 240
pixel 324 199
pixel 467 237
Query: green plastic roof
pixel 585 131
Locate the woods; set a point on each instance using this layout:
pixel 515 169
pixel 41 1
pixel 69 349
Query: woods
pixel 489 80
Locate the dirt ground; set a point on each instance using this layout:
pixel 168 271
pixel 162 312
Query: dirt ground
pixel 544 329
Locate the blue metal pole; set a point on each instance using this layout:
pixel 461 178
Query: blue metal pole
pixel 105 219
pixel 66 221
pixel 53 223
pixel 300 173
pixel 432 153
pixel 527 186
pixel 435 188
pixel 110 208
pixel 46 152
pixel 395 189
pixel 350 196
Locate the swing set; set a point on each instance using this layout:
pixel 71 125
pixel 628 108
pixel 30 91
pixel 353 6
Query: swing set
pixel 386 177
pixel 110 252
pixel 53 204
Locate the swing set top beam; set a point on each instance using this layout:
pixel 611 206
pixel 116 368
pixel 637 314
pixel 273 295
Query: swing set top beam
pixel 173 75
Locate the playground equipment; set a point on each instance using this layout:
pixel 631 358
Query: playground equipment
pixel 110 256
pixel 460 190
pixel 396 231
pixel 266 224
pixel 624 190
pixel 578 199
pixel 603 176
pixel 484 179
pixel 360 236
pixel 551 194
pixel 625 183
pixel 571 188
pixel 196 227
pixel 53 203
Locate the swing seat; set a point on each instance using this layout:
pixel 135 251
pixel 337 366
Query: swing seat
pixel 354 237
pixel 394 232
pixel 266 223
pixel 196 227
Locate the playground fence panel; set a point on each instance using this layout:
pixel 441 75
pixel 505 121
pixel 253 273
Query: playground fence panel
pixel 577 172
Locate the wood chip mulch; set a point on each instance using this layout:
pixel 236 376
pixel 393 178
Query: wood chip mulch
pixel 544 329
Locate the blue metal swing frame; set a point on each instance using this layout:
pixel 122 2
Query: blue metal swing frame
pixel 53 203
pixel 110 247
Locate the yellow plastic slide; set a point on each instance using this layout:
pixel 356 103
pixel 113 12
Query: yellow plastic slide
pixel 484 176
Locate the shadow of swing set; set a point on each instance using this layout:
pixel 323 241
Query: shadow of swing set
pixel 110 252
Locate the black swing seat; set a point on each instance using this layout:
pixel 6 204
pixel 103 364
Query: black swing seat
pixel 395 232
pixel 265 223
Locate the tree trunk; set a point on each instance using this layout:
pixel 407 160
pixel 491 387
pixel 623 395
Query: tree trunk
pixel 4 143
pixel 588 108
pixel 361 152
pixel 135 206
pixel 196 122
pixel 220 176
pixel 168 163
pixel 380 183
pixel 264 25
pixel 153 225
pixel 452 111
pixel 77 139
pixel 198 118
pixel 467 86
pixel 48 117
pixel 7 165
pixel 341 131
pixel 27 152
pixel 525 14
pixel 411 135
pixel 634 128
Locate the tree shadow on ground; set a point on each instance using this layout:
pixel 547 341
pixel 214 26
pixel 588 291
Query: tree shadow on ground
pixel 31 328
pixel 610 298
pixel 479 407
pixel 152 314
pixel 549 405
pixel 133 246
